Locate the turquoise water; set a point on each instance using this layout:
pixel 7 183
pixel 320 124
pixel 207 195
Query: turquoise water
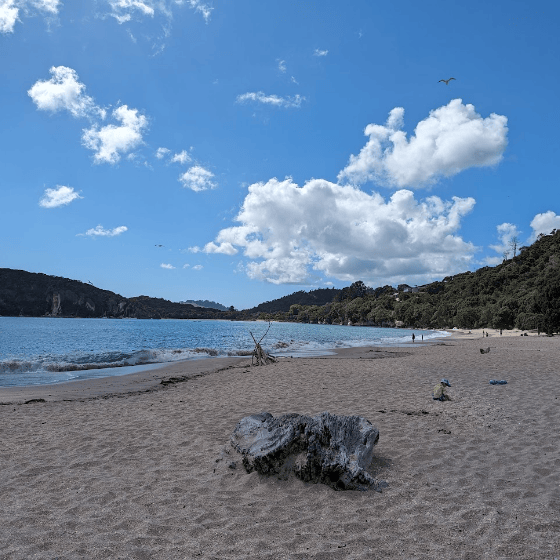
pixel 36 351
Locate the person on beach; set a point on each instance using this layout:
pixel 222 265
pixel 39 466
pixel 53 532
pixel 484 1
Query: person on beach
pixel 413 337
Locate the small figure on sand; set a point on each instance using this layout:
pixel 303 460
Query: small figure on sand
pixel 413 337
pixel 439 391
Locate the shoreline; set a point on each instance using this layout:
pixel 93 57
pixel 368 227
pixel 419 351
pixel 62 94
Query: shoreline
pixel 151 378
pixel 157 378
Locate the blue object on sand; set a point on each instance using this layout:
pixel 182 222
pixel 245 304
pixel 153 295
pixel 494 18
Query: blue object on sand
pixel 500 382
pixel 446 382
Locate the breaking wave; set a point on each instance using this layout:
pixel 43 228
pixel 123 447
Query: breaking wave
pixel 39 350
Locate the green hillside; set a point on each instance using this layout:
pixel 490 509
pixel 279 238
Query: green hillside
pixel 522 292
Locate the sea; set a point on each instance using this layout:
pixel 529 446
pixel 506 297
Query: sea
pixel 44 350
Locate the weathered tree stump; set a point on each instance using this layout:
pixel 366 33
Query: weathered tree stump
pixel 333 450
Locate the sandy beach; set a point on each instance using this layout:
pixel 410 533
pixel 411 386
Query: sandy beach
pixel 130 467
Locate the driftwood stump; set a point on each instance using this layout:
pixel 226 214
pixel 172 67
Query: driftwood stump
pixel 333 450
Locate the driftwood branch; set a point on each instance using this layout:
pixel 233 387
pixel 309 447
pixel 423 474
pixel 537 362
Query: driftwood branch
pixel 259 355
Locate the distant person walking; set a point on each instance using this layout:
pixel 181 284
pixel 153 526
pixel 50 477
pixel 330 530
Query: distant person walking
pixel 413 337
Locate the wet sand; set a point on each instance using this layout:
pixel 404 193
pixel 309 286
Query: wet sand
pixel 130 467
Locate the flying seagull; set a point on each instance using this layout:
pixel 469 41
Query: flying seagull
pixel 446 81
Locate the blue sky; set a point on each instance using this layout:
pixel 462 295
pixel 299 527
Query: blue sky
pixel 240 151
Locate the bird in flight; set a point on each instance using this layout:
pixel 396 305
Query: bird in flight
pixel 159 245
pixel 446 81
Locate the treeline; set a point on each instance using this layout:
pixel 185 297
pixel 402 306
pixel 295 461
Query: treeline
pixel 320 296
pixel 522 292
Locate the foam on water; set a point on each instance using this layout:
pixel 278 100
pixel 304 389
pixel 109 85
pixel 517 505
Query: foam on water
pixel 46 350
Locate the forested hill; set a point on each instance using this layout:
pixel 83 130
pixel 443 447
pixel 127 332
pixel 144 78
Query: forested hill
pixel 522 292
pixel 28 294
pixel 320 296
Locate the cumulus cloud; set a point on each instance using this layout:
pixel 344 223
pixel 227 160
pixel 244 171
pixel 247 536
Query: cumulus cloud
pixel 168 266
pixel 181 157
pixel 110 142
pixel 100 231
pixel 319 52
pixel 451 139
pixel 162 152
pixel 8 16
pixel 274 100
pixel 58 197
pixel 64 91
pixel 197 179
pixel 10 10
pixel 286 232
pixel 544 223
pixel 197 267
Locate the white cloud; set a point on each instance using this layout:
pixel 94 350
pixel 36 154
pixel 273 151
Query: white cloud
pixel 224 247
pixel 124 10
pixel 453 138
pixel 162 152
pixel 168 266
pixel 181 157
pixel 282 66
pixel 10 9
pixel 286 232
pixel 274 100
pixel 203 9
pixel 100 231
pixel 8 16
pixel 110 141
pixel 544 223
pixel 197 179
pixel 294 81
pixel 186 265
pixel 50 6
pixel 58 197
pixel 319 52
pixel 506 232
pixel 197 267
pixel 64 91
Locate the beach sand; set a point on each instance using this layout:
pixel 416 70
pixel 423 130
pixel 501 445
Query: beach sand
pixel 129 468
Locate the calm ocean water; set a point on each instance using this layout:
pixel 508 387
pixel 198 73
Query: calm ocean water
pixel 37 351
